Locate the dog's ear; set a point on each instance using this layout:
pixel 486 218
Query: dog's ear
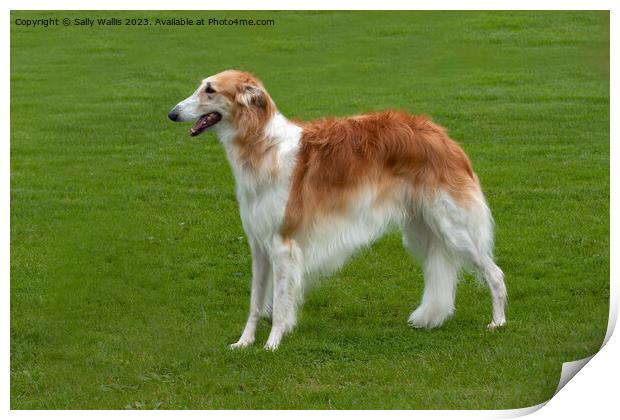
pixel 252 96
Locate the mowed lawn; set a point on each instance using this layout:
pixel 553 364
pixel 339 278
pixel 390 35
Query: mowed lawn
pixel 130 269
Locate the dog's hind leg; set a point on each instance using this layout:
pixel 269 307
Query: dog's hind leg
pixel 287 260
pixel 494 277
pixel 440 274
pixel 467 233
pixel 261 273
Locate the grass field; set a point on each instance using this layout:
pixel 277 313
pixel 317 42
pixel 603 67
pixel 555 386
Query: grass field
pixel 130 269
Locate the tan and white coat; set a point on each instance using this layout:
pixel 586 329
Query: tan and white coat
pixel 312 193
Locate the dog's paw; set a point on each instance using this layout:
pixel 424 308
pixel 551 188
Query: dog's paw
pixel 423 318
pixel 273 342
pixel 494 325
pixel 269 346
pixel 241 344
pixel 417 321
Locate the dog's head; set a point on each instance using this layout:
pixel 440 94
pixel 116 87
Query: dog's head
pixel 231 97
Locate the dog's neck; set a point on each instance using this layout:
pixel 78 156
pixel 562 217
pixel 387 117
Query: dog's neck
pixel 263 156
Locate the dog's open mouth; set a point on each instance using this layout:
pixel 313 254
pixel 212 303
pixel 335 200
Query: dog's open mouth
pixel 204 122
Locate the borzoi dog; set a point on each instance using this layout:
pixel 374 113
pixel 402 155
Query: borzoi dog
pixel 312 193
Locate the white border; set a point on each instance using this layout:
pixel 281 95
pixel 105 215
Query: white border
pixel 313 5
pixel 592 392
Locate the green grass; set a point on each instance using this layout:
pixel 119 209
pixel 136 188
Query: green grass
pixel 129 267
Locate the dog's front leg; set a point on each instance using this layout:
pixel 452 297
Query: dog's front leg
pixel 287 263
pixel 261 271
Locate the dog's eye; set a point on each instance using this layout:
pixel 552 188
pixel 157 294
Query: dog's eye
pixel 209 89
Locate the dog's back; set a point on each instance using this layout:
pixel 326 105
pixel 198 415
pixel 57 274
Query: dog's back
pixel 398 157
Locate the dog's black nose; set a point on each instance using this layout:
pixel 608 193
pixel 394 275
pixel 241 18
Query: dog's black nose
pixel 173 115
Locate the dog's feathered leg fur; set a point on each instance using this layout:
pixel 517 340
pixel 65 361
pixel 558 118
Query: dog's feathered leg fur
pixel 261 272
pixel 287 288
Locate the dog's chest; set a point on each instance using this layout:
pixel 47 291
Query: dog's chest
pixel 262 211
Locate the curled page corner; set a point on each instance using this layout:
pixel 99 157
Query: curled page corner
pixel 521 412
pixel 569 370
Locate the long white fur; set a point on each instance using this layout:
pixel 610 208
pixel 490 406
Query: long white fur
pixel 440 233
